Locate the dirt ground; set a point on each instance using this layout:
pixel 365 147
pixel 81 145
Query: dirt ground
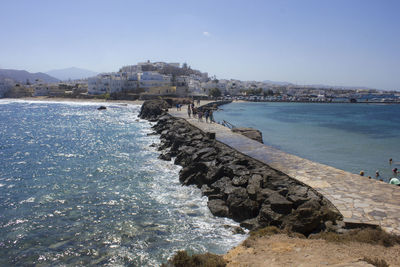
pixel 281 250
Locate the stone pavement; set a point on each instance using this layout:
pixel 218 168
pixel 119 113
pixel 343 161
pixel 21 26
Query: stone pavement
pixel 360 200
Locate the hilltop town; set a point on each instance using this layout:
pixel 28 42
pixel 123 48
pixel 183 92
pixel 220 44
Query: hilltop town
pixel 152 79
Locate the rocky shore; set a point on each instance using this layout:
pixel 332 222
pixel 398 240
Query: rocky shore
pixel 237 186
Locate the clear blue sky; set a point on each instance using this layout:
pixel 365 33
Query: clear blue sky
pixel 336 42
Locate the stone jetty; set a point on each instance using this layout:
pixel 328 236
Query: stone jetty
pixel 345 199
pixel 360 200
pixel 238 186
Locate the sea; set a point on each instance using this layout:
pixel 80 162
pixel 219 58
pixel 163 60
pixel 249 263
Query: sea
pixel 84 187
pixel 351 137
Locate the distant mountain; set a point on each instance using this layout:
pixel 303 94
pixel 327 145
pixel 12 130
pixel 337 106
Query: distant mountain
pixel 22 76
pixel 71 73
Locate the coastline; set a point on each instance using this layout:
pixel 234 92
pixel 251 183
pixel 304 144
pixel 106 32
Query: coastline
pixel 257 251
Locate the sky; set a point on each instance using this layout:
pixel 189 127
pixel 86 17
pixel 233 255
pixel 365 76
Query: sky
pixel 331 42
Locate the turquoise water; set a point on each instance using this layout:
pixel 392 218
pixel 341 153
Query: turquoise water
pixel 83 187
pixel 351 137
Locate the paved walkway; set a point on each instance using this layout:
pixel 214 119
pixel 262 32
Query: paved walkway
pixel 359 199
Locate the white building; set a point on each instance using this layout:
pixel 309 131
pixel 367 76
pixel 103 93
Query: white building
pixel 195 88
pixel 105 83
pixel 149 79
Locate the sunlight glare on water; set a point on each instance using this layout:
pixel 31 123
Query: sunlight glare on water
pixel 80 186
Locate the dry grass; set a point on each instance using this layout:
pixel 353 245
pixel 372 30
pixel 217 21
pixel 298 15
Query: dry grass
pixel 364 235
pixel 268 231
pixel 182 259
pixel 376 262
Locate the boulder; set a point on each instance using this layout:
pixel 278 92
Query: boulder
pixel 217 173
pixel 307 218
pixel 221 184
pixel 252 191
pixel 279 204
pixel 204 154
pixel 165 156
pixel 240 180
pixel 269 217
pixel 235 229
pixel 240 206
pixel 206 190
pixel 264 194
pixel 250 224
pixel 153 109
pixel 218 207
pixel 195 168
pixel 250 133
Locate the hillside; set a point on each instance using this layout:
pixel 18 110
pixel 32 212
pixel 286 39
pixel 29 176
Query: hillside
pixel 22 76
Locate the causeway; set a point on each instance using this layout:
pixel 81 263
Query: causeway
pixel 360 200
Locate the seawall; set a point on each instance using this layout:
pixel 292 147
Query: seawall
pixel 238 186
pixel 359 200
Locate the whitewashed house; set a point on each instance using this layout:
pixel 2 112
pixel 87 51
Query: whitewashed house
pixel 149 79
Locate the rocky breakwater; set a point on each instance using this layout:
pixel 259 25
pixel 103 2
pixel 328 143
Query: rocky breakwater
pixel 240 187
pixel 152 109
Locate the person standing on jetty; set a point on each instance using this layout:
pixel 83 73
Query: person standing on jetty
pixel 189 110
pixel 200 115
pixel 206 115
pixel 211 116
pixel 194 111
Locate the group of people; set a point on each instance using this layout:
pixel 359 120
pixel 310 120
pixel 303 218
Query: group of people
pixel 394 180
pixel 200 113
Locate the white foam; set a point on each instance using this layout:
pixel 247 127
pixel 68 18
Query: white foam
pixel 29 200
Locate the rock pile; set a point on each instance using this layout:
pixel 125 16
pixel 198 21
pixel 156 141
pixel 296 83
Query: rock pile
pixel 152 109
